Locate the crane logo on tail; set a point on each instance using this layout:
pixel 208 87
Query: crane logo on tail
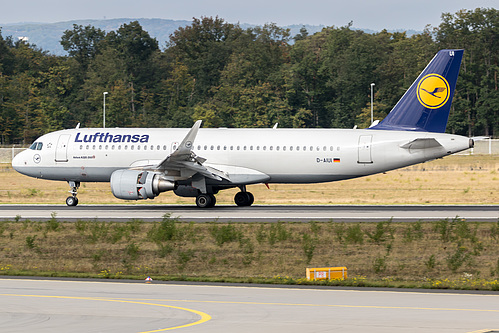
pixel 433 91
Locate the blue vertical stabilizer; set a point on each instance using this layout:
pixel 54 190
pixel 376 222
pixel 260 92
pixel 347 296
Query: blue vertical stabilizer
pixel 425 106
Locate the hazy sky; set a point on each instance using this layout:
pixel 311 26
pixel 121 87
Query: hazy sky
pixel 368 14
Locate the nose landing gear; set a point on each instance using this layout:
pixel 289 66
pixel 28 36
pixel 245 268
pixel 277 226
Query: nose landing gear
pixel 73 200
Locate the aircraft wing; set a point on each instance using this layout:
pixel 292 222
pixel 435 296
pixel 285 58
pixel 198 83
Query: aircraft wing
pixel 185 161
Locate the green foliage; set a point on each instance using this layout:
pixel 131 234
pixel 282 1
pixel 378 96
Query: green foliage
pixel 379 264
pixel 456 259
pixel 445 229
pixel 164 250
pixel 494 231
pixel 132 250
pixel 81 226
pixel 52 224
pixel 225 234
pixel 261 235
pixel 98 231
pixel 339 231
pixel 184 257
pixel 278 233
pixel 30 242
pixel 383 231
pixel 234 77
pixel 309 244
pixel 431 262
pixel 166 230
pixel 3 227
pixel 354 234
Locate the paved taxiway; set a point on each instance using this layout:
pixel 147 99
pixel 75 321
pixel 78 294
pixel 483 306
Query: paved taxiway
pixel 76 306
pixel 347 213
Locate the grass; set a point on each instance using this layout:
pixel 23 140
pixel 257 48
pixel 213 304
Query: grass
pixel 441 254
pixel 456 179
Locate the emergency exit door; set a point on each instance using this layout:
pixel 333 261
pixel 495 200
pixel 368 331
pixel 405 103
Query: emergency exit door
pixel 365 142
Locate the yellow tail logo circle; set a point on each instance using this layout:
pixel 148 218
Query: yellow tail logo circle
pixel 433 91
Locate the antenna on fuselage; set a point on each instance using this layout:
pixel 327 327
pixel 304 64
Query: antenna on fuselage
pixel 275 126
pixel 77 126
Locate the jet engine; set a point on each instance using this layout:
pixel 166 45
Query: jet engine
pixel 138 184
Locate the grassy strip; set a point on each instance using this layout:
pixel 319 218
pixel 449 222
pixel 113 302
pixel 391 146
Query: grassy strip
pixel 456 284
pixel 452 254
pixel 451 180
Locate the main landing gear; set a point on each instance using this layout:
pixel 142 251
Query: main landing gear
pixel 205 200
pixel 73 200
pixel 243 198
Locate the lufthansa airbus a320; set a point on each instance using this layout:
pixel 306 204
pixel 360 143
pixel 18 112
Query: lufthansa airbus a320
pixel 140 163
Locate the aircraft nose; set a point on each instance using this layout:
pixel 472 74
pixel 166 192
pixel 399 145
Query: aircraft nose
pixel 18 161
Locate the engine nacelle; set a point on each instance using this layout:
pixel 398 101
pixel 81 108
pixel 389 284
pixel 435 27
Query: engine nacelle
pixel 138 184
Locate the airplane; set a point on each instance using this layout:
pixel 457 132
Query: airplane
pixel 141 163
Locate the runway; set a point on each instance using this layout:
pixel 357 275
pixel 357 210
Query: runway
pixel 346 213
pixel 86 306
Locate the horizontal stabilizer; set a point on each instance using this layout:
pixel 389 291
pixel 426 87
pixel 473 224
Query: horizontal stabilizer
pixel 422 143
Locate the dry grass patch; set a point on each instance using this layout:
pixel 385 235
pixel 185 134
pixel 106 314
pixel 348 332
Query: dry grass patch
pixel 419 252
pixel 452 180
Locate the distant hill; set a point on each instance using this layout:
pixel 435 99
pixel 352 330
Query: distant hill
pixel 48 35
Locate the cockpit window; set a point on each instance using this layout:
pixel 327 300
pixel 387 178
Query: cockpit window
pixel 36 146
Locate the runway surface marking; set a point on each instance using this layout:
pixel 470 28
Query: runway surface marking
pixel 319 305
pixel 204 317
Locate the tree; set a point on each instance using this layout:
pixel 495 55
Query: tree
pixel 135 47
pixel 476 31
pixel 205 48
pixel 82 43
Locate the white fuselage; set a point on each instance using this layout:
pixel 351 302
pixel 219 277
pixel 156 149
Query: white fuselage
pixel 281 155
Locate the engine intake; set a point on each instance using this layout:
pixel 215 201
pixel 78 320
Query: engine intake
pixel 138 184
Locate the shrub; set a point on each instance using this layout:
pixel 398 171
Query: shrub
pixel 308 245
pixel 132 250
pixel 458 258
pixel 30 242
pixel 431 262
pixel 166 230
pixel 354 234
pixel 382 232
pixel 379 264
pixel 225 233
